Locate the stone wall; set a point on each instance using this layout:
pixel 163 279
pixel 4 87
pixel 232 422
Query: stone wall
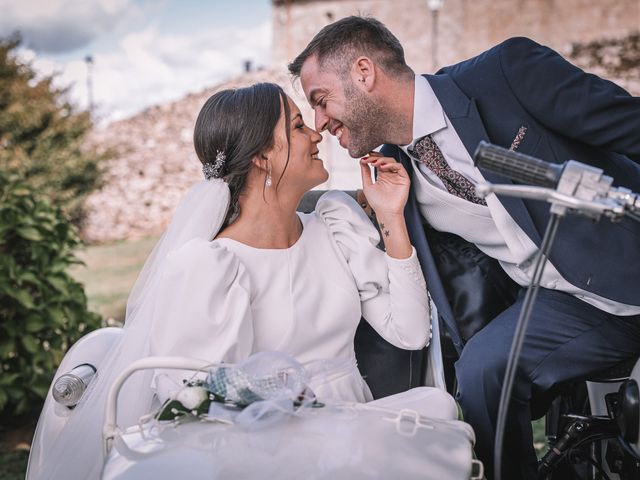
pixel 465 27
pixel 617 60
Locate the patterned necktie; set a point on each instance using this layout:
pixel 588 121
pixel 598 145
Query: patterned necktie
pixel 428 153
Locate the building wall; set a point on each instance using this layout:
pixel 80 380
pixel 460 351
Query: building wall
pixel 464 27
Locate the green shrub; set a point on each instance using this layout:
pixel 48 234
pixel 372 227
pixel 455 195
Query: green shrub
pixel 42 136
pixel 43 310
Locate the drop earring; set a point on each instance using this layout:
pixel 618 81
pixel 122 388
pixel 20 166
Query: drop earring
pixel 267 181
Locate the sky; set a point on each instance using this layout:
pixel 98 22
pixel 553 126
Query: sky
pixel 144 52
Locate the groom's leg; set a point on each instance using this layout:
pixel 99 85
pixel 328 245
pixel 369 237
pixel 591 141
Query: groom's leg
pixel 566 339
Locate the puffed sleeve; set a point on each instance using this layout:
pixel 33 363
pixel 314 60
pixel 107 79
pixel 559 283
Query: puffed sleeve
pixel 393 292
pixel 203 305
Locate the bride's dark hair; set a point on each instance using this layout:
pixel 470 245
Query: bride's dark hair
pixel 241 124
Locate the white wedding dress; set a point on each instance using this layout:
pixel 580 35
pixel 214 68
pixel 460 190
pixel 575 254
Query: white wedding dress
pixel 224 300
pixel 221 301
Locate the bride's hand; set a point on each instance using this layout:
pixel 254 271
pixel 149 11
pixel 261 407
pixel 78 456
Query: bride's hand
pixel 388 195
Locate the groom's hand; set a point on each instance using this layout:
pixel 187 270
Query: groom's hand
pixel 388 194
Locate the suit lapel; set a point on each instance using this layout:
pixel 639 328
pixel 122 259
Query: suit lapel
pixel 463 113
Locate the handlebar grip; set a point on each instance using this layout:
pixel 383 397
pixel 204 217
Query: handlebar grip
pixel 517 166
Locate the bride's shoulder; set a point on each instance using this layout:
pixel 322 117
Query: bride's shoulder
pixel 345 219
pixel 199 249
pixel 338 205
pixel 201 255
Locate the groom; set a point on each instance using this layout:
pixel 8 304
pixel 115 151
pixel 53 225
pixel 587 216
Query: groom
pixel 524 96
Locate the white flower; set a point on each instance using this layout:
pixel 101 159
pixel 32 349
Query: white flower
pixel 192 397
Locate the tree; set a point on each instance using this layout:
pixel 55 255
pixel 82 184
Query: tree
pixel 46 172
pixel 42 135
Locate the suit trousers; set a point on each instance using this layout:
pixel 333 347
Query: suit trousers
pixel 567 339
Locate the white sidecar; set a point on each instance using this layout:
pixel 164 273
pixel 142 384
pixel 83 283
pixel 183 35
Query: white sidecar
pixel 345 441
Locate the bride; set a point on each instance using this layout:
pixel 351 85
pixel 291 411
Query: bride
pixel 276 280
pixel 238 271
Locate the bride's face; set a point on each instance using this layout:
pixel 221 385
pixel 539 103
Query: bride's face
pixel 305 169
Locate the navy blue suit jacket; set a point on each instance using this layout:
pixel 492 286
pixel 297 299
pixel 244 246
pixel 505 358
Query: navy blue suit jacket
pixel 568 115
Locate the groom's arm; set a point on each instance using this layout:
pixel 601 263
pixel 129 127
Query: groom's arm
pixel 569 101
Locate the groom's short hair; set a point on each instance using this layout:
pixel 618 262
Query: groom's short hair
pixel 338 44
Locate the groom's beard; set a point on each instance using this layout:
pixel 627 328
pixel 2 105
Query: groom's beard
pixel 366 121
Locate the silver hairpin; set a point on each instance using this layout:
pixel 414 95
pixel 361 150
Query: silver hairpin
pixel 214 170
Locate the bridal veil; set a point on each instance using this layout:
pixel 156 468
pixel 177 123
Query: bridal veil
pixel 76 451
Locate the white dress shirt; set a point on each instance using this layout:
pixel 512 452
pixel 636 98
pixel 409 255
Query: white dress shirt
pixel 489 227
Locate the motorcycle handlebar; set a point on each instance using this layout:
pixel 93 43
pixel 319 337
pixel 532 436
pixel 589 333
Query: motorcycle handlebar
pixel 517 166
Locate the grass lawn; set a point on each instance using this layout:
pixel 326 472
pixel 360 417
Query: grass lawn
pixel 109 273
pixel 539 441
pixel 15 438
pixel 13 464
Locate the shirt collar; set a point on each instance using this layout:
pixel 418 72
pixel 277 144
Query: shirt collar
pixel 428 115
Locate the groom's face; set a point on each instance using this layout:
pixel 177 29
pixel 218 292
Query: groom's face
pixel 342 108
